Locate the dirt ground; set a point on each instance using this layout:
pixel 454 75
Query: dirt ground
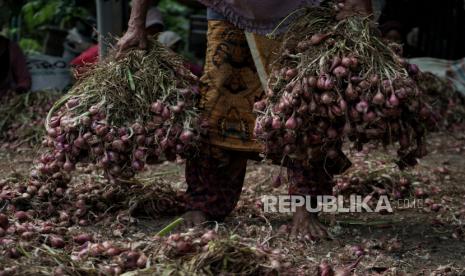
pixel 412 241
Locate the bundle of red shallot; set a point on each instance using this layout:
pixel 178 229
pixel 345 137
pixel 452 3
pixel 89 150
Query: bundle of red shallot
pixel 123 114
pixel 335 80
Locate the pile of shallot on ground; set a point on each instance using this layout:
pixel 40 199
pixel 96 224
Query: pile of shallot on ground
pixel 123 114
pixel 23 116
pixel 337 79
pixel 448 105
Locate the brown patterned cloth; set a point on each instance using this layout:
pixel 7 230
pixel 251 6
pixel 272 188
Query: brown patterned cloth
pixel 230 86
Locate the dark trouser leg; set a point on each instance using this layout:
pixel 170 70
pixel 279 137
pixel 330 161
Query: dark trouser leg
pixel 311 179
pixel 215 182
pixel 304 180
pixel 316 176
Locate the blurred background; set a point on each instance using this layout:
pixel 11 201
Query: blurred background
pixel 56 35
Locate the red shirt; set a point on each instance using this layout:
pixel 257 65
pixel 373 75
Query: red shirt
pixel 89 56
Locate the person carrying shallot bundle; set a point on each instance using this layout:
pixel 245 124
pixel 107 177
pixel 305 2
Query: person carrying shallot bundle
pixel 229 87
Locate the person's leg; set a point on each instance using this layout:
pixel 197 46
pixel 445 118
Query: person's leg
pixel 308 181
pixel 228 88
pixel 214 182
pixel 313 179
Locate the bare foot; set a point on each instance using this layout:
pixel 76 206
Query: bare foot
pixel 307 225
pixel 194 218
